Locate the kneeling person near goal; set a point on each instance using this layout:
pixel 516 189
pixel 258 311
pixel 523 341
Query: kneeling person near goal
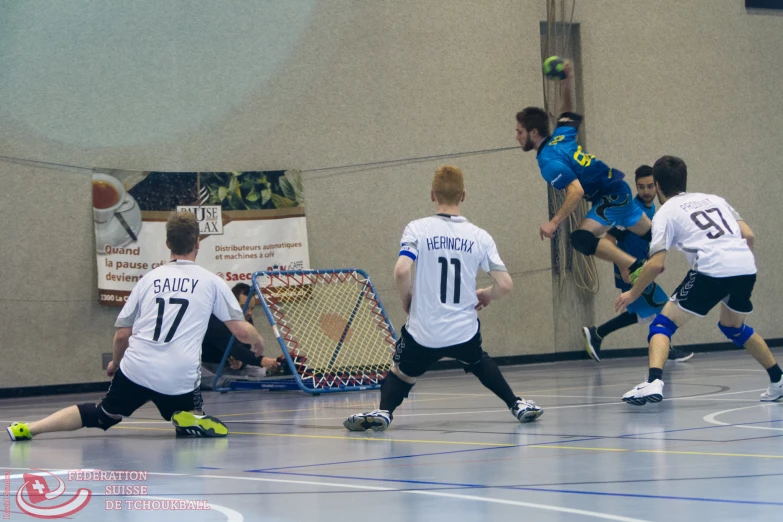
pixel 157 346
pixel 717 243
pixel 442 306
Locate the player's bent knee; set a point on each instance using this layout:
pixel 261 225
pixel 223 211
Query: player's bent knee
pixel 584 242
pixel 662 325
pixel 396 386
pixel 472 367
pixel 94 416
pixel 737 335
pixel 395 370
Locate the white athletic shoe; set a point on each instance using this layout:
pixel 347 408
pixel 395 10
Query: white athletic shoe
pixel 644 393
pixel 376 420
pixel 774 392
pixel 526 411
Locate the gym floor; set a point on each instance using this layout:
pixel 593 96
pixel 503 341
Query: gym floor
pixel 709 451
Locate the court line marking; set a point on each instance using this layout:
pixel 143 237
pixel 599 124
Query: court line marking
pixel 711 418
pixel 605 516
pixel 342 437
pixel 666 452
pixel 433 414
pixel 538 490
pixel 545 507
pixel 230 514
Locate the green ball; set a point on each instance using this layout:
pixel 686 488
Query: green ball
pixel 554 68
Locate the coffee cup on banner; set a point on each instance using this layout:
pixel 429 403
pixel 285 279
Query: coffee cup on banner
pixel 108 194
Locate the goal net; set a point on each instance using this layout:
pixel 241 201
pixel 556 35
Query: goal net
pixel 331 325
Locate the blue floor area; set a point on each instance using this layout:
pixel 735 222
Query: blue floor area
pixel 709 451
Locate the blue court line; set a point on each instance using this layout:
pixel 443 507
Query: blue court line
pixel 630 435
pixel 264 470
pixel 538 490
pixel 652 497
pixel 395 481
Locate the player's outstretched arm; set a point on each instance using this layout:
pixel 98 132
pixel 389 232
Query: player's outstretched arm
pixel 500 288
pixel 747 234
pixel 403 281
pixel 118 347
pixel 574 194
pixel 247 333
pixel 652 269
pixel 567 93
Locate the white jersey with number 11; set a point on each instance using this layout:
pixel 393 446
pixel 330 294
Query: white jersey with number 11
pixel 448 251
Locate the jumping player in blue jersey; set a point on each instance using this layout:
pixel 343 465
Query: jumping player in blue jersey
pixel 653 299
pixel 566 166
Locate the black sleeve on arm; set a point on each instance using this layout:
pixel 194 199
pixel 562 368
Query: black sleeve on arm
pixel 242 352
pixel 570 119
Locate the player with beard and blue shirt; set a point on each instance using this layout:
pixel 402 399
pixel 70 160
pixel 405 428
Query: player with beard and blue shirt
pixel 653 299
pixel 567 167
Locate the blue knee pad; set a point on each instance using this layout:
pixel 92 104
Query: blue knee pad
pixel 738 336
pixel 662 325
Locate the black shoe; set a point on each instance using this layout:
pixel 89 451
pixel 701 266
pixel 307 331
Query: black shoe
pixel 679 355
pixel 592 342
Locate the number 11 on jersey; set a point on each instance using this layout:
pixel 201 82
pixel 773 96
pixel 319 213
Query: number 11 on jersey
pixel 444 274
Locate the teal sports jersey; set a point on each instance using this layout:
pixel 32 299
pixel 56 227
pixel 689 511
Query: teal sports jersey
pixel 562 160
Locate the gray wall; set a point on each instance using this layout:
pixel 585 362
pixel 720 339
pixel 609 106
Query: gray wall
pixel 307 84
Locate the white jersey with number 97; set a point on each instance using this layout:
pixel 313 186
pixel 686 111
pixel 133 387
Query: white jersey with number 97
pixel 448 251
pixel 168 310
pixel 706 229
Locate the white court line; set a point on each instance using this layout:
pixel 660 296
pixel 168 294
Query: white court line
pixel 730 370
pixel 595 514
pixel 615 402
pixel 56 472
pixel 712 420
pixel 545 507
pixel 231 515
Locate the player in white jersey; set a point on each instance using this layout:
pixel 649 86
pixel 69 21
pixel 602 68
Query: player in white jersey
pixel 157 345
pixel 442 305
pixel 718 245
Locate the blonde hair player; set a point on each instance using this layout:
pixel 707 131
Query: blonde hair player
pixel 157 346
pixel 443 303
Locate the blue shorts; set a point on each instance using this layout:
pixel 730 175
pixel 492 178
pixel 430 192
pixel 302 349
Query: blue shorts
pixel 616 209
pixel 651 302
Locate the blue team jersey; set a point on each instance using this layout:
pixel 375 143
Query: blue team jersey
pixel 562 160
pixel 629 242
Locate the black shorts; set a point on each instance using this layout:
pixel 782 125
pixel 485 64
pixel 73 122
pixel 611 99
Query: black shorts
pixel 125 396
pixel 699 293
pixel 414 359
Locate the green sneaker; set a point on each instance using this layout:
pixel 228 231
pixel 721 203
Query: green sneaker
pixel 633 276
pixel 19 431
pixel 198 425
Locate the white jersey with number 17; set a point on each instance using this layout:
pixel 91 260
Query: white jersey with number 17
pixel 448 251
pixel 705 227
pixel 169 309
